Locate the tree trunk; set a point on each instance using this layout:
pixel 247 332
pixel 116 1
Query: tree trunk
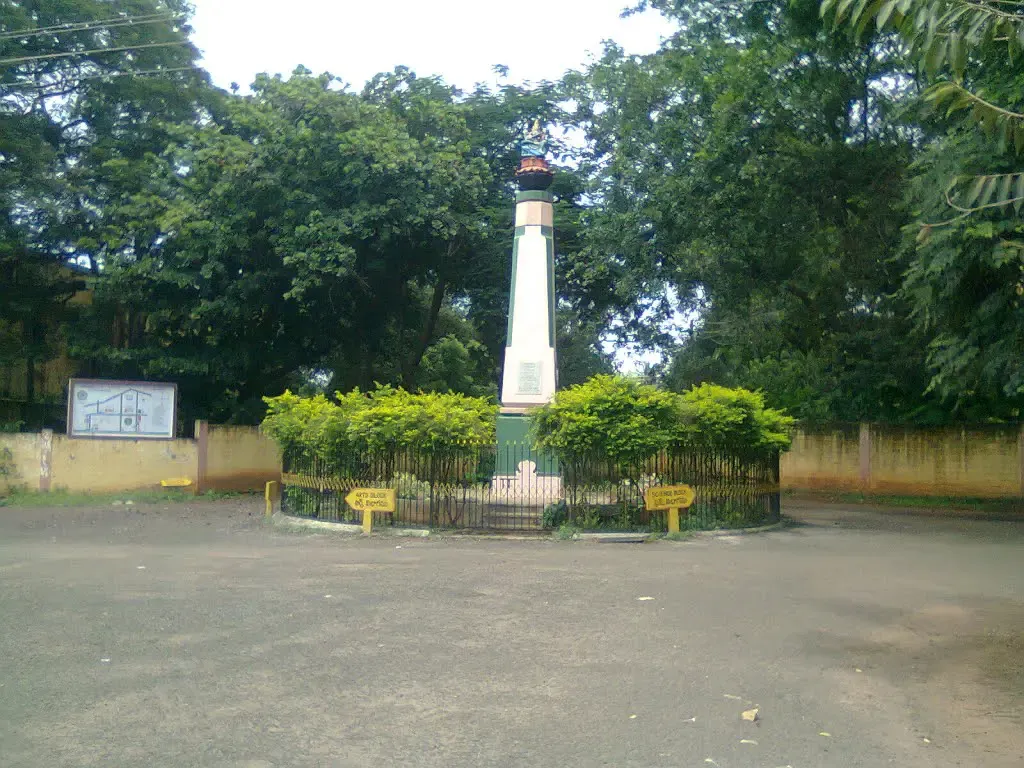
pixel 423 342
pixel 30 378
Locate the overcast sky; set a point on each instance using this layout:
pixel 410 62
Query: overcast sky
pixel 458 39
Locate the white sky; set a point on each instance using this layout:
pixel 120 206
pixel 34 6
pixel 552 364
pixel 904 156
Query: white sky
pixel 458 39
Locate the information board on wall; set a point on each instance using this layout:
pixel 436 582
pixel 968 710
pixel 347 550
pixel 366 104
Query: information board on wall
pixel 130 410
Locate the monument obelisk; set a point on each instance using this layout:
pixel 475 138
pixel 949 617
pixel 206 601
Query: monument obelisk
pixel 530 373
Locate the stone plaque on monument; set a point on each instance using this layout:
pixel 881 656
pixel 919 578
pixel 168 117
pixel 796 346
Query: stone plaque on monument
pixel 529 378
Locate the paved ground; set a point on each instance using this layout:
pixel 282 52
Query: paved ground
pixel 195 636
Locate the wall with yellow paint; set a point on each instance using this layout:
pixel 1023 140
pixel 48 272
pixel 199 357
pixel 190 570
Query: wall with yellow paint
pixel 22 468
pixel 983 462
pixel 234 458
pixel 98 466
pixel 240 459
pixel 827 460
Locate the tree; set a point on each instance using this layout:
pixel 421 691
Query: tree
pixel 954 43
pixel 750 178
pixel 964 279
pixel 74 122
pixel 581 353
pixel 308 228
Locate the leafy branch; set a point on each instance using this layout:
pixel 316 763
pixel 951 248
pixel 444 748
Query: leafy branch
pixel 942 35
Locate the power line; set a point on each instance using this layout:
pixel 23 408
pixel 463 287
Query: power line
pixel 133 72
pixel 66 54
pixel 103 76
pixel 85 26
pixel 128 23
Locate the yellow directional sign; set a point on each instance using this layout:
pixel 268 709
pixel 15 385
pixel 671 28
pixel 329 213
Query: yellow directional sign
pixel 371 499
pixel 669 497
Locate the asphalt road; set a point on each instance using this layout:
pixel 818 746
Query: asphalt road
pixel 196 636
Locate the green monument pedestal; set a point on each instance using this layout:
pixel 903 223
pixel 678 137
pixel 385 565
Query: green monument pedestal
pixel 514 448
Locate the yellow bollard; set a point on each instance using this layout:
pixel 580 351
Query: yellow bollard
pixel 673 520
pixel 271 494
pixel 367 521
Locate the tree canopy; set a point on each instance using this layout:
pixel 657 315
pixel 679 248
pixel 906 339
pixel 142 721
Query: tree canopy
pixel 816 201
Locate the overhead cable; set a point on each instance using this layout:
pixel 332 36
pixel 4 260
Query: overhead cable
pixel 103 76
pixel 86 26
pixel 68 54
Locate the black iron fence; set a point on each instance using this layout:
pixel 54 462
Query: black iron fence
pixel 515 488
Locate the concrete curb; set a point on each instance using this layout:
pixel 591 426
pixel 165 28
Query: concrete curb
pixel 281 520
pixel 642 537
pixel 613 538
pixel 742 531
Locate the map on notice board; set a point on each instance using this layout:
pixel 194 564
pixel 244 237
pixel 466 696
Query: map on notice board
pixel 125 409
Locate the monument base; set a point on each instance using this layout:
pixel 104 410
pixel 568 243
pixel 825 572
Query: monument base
pixel 523 476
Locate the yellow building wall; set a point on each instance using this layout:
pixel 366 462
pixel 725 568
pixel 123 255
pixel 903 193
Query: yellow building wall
pixel 240 459
pixel 98 466
pixel 822 461
pixel 983 463
pixel 23 464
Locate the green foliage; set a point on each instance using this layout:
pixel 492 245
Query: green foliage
pixel 616 416
pixel 386 419
pixel 567 532
pixel 957 43
pixel 734 421
pixel 73 141
pixel 555 514
pixel 628 422
pixel 966 282
pixel 751 177
pixel 307 427
pixel 452 365
pixel 580 353
pixel 427 422
pixel 408 486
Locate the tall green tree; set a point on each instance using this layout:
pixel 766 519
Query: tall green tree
pixel 751 177
pixel 965 277
pixel 76 120
pixel 305 226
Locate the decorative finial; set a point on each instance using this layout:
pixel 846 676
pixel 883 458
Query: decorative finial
pixel 534 172
pixel 536 142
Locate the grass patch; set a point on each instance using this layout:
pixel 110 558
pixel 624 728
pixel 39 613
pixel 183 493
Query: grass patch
pixel 60 498
pixel 567 532
pixel 679 536
pixel 960 503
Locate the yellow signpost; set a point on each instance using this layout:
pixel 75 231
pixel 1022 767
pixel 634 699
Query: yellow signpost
pixel 670 497
pixel 272 494
pixel 370 500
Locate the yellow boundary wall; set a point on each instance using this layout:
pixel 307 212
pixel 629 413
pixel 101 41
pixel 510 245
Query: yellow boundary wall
pixel 982 462
pixel 220 458
pixel 977 462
